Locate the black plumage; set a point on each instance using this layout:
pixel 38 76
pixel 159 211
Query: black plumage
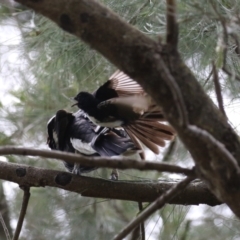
pixel 75 133
pixel 122 102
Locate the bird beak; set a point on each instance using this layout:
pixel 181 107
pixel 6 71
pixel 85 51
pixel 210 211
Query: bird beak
pixel 74 104
pixel 74 100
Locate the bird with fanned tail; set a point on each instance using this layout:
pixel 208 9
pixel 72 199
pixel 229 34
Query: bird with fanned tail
pixel 121 102
pixel 75 133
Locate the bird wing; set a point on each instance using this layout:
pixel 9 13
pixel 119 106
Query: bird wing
pixel 127 108
pixel 124 85
pixel 105 143
pixel 118 85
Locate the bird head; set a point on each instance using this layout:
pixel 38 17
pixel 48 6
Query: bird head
pixel 85 100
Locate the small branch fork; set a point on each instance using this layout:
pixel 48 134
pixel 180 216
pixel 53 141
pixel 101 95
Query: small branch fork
pixel 26 198
pixel 159 203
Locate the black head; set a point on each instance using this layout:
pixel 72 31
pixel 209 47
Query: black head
pixel 85 101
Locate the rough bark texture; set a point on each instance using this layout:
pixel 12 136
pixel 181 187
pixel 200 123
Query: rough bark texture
pixel 139 191
pixel 144 59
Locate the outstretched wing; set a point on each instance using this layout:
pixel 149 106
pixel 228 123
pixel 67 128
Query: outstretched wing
pixel 124 85
pixel 118 85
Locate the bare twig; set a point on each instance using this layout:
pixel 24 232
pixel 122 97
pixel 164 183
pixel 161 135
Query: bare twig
pixel 209 76
pixel 142 228
pixel 186 230
pixel 120 212
pixel 159 203
pixel 237 48
pixel 224 43
pixel 135 15
pixel 218 89
pixel 5 227
pixel 26 197
pixel 230 74
pixel 113 162
pixel 172 25
pixel 136 233
pixel 170 151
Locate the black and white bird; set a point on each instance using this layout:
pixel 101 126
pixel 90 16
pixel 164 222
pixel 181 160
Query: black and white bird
pixel 75 133
pixel 121 102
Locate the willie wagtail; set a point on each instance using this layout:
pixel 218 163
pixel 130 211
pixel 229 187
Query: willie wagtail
pixel 121 102
pixel 75 133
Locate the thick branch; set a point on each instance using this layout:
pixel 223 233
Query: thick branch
pixel 143 191
pixel 142 58
pixel 113 162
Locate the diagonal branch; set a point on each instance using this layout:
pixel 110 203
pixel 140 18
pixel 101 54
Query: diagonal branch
pixel 26 198
pixel 5 227
pixel 172 25
pixel 157 204
pixel 112 162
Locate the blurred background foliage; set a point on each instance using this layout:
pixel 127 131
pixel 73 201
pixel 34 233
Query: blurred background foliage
pixel 42 67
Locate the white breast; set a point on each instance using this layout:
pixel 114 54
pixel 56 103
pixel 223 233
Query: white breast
pixel 82 147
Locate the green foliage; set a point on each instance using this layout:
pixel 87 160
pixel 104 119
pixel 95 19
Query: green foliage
pixel 53 66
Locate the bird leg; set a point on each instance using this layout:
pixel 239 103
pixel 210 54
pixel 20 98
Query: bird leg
pixel 114 175
pixel 76 169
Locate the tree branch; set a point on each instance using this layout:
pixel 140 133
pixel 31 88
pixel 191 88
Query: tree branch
pixel 157 204
pixel 224 43
pixel 26 197
pixel 172 26
pixel 5 227
pixel 112 162
pixel 218 90
pixel 144 191
pixel 142 59
pixel 142 227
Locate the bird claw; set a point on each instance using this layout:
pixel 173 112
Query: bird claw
pixel 114 175
pixel 76 169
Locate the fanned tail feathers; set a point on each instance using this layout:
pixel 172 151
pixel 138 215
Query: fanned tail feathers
pixel 151 133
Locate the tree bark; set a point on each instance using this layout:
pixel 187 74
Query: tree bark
pixel 147 61
pixel 139 191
